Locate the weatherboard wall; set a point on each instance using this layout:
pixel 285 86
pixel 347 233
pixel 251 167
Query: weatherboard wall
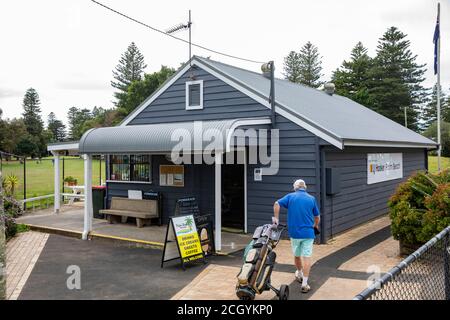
pixel 298 149
pixel 358 201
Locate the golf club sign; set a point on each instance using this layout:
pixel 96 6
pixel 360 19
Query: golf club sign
pixel 182 241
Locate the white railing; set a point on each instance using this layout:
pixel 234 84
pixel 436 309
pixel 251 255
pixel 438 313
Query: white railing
pixel 35 199
pixel 47 201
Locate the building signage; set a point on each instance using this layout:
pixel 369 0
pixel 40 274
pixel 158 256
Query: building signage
pixel 182 241
pixel 384 167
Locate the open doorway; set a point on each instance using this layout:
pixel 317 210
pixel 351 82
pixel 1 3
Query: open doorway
pixel 233 197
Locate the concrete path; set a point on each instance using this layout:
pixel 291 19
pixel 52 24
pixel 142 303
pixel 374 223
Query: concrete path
pixel 71 221
pixel 22 252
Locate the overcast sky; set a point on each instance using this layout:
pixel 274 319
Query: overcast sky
pixel 67 49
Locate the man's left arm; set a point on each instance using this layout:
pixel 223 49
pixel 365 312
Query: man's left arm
pixel 316 214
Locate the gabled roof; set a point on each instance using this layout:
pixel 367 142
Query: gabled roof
pixel 336 119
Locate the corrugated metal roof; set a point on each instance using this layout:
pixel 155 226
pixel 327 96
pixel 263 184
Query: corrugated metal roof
pixel 336 115
pixel 158 137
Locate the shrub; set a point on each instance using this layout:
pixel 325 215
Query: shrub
pixel 70 180
pixel 10 226
pixel 420 207
pixel 12 207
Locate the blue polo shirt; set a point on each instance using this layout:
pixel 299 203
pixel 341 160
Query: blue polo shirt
pixel 302 208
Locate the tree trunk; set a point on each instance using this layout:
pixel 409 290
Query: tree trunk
pixel 2 246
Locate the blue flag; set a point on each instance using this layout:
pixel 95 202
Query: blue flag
pixel 435 41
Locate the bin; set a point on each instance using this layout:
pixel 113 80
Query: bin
pixel 98 196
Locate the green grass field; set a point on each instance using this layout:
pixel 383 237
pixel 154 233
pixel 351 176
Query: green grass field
pixel 432 163
pixel 40 174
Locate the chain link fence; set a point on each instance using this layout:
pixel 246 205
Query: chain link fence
pixel 424 275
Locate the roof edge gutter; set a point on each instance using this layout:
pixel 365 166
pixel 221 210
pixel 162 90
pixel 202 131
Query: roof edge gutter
pixel 388 144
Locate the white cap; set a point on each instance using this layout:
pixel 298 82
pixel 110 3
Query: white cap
pixel 299 184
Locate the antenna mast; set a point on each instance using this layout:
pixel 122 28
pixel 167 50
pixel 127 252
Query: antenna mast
pixel 182 26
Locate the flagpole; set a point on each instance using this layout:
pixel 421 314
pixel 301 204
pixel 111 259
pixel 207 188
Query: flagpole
pixel 438 91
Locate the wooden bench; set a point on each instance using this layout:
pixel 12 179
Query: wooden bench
pixel 122 208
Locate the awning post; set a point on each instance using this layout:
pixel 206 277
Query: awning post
pixel 88 213
pixel 57 183
pixel 218 201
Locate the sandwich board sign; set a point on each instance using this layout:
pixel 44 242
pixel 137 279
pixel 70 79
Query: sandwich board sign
pixel 204 223
pixel 182 241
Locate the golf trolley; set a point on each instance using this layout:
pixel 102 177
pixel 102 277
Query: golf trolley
pixel 259 260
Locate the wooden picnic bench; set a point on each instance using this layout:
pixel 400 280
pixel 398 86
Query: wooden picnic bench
pixel 122 208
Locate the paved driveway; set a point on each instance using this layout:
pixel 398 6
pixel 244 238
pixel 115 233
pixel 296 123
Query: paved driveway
pixel 107 272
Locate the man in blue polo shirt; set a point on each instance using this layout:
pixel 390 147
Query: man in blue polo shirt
pixel 303 217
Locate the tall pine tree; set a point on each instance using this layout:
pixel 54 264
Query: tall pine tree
pixel 304 67
pixel 397 79
pixel 32 113
pixel 56 128
pixel 352 78
pixel 130 68
pixel 429 110
pixel 292 67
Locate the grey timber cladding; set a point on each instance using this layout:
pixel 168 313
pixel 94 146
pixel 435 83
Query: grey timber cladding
pixel 298 159
pixel 359 202
pixel 220 101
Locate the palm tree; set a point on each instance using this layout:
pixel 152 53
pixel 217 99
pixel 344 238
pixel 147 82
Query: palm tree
pixel 11 184
pixel 189 222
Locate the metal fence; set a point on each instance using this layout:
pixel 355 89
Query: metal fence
pixel 424 275
pixel 35 176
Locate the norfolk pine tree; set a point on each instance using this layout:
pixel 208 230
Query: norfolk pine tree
pixel 130 68
pixel 352 78
pixel 396 80
pixel 32 112
pixel 304 67
pixel 56 128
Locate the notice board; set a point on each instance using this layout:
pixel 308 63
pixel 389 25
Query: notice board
pixel 182 241
pixel 171 175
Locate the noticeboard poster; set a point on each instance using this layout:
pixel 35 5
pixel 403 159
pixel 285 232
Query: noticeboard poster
pixel 182 241
pixel 384 167
pixel 171 175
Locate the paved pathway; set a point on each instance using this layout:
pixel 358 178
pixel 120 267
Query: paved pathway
pixel 109 271
pixel 339 270
pixel 22 252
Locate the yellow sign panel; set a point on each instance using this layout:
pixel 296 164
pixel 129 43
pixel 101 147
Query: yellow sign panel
pixel 187 238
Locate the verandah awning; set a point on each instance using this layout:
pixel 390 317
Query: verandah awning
pixel 155 138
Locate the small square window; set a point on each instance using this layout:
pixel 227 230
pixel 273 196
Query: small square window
pixel 194 95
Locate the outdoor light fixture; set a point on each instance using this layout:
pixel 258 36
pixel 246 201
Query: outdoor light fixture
pixel 268 70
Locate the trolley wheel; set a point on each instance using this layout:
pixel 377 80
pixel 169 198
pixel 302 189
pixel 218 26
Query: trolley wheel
pixel 284 292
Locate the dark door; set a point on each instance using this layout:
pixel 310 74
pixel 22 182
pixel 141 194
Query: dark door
pixel 233 212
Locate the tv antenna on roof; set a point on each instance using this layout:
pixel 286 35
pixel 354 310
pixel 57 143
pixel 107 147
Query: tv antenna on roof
pixel 182 26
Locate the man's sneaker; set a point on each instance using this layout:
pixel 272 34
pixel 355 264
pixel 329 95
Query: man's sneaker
pixel 298 276
pixel 305 289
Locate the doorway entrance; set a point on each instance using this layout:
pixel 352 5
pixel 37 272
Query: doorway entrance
pixel 233 197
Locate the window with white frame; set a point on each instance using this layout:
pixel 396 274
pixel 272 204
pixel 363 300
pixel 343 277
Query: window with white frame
pixel 194 95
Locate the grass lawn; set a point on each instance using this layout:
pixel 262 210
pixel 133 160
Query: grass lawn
pixel 40 174
pixel 432 163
